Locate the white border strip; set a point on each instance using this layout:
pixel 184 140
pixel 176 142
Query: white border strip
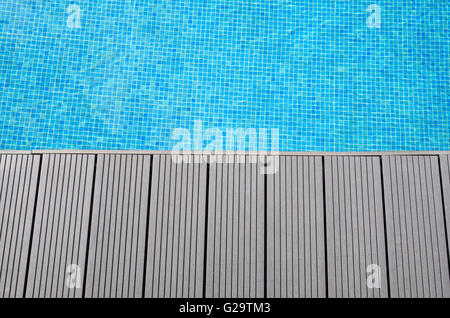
pixel 281 153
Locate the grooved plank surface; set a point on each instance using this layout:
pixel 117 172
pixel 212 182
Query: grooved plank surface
pixel 176 229
pixel 235 238
pixel 18 181
pixel 118 230
pixel 61 225
pixel 418 263
pixel 445 177
pixel 295 229
pixel 151 227
pixel 355 227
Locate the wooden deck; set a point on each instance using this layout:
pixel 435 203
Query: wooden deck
pixel 141 225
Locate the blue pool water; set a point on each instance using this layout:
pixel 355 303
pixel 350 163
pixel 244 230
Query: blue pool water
pixel 124 74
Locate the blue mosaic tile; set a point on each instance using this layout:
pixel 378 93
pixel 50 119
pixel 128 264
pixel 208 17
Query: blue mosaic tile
pixel 124 74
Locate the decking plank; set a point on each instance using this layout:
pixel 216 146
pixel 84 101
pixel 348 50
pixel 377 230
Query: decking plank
pixel 348 208
pixel 18 182
pixel 118 229
pixel 175 261
pixel 298 215
pixel 354 224
pixel 419 225
pixel 236 224
pixel 60 234
pixel 445 177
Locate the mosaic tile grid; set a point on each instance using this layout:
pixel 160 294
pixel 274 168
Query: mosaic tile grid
pixel 135 70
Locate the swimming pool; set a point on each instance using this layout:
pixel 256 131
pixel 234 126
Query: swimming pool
pixel 329 75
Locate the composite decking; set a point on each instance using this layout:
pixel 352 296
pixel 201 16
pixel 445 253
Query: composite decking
pixel 141 225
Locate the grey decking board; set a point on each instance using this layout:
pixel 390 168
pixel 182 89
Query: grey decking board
pixel 212 223
pixel 197 220
pixel 55 230
pixel 92 286
pixel 357 234
pixel 140 223
pixel 283 238
pixel 378 226
pixel 166 234
pixel 110 239
pixel 78 222
pixel 105 257
pixel 309 230
pixel 170 229
pixel 182 275
pixel 258 233
pixel 117 240
pixel 296 201
pixel 348 216
pixel 445 177
pixel 411 228
pixel 153 218
pixel 288 228
pixel 223 229
pixel 182 232
pixel 176 230
pixel 6 204
pixel 8 214
pixel 28 205
pixel 440 224
pixel 165 212
pixel 11 223
pixel 14 256
pixel 228 261
pixel 50 258
pixel 82 216
pixel 8 256
pixel 133 177
pixel 69 169
pixel 429 227
pixel 44 253
pixel 354 225
pixel 152 284
pixel 361 215
pixel 50 229
pixel 200 189
pixel 234 260
pixel 115 237
pixel 342 229
pixel 201 228
pixel 37 234
pixel 235 225
pixel 425 162
pixel 320 225
pixel 419 241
